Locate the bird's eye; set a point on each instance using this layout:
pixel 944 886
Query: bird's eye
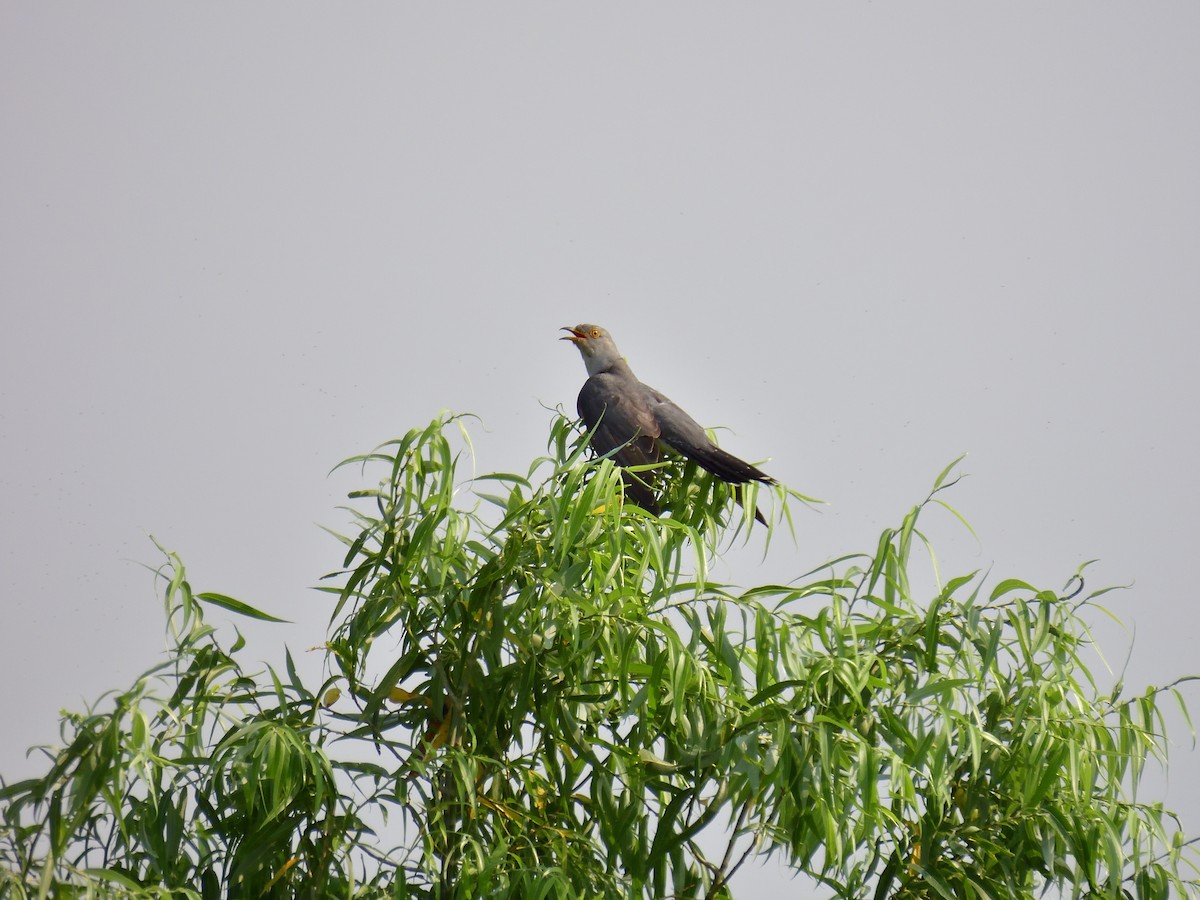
pixel 595 332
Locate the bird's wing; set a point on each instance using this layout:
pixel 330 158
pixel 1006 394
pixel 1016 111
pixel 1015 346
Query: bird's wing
pixel 684 435
pixel 617 413
pixel 618 410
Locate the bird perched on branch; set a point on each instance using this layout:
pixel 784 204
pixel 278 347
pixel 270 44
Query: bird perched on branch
pixel 636 423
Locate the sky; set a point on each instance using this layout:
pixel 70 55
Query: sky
pixel 242 242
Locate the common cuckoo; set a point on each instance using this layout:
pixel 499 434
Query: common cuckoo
pixel 636 423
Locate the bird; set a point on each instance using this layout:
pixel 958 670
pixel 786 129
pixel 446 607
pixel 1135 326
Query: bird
pixel 637 425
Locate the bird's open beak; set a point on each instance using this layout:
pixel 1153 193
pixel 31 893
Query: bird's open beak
pixel 575 336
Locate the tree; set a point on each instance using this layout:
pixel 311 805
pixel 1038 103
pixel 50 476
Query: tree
pixel 537 692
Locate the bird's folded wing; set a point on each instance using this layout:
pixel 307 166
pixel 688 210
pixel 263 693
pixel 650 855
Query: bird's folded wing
pixel 618 411
pixel 685 436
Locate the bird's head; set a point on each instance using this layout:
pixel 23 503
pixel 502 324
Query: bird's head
pixel 596 346
pixel 581 334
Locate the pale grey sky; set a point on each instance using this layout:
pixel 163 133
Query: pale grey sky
pixel 243 242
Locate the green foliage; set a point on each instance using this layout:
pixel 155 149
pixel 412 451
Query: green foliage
pixel 539 693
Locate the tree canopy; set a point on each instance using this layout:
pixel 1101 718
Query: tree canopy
pixel 532 690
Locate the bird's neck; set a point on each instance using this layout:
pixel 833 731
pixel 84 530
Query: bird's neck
pixel 611 366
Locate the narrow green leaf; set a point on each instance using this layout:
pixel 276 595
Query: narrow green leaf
pixel 237 606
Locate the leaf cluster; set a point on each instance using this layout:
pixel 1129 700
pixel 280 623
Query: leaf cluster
pixel 541 692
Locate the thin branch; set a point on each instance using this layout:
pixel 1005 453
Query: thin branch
pixel 721 880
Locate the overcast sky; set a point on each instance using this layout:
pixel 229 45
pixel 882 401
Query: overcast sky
pixel 242 242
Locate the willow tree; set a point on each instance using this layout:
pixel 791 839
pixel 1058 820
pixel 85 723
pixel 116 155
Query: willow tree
pixel 533 690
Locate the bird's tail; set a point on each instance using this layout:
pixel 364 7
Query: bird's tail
pixel 738 495
pixel 728 467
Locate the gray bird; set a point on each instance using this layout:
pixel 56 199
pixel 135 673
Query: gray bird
pixel 636 423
